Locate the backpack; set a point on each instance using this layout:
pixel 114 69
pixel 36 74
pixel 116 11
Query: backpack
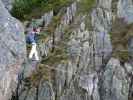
pixel 28 39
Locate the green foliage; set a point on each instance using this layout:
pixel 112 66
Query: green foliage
pixel 26 9
pixel 86 5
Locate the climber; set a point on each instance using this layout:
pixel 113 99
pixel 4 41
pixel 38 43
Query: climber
pixel 32 39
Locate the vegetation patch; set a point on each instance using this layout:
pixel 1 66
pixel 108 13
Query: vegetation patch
pixel 120 34
pixel 86 5
pixel 28 9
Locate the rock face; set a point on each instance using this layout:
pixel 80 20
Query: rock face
pixel 13 52
pixel 91 73
pixel 8 3
pixel 115 83
pixel 125 9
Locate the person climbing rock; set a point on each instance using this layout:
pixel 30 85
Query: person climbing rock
pixel 32 39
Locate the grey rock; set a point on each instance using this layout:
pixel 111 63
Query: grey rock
pixel 30 94
pixel 129 68
pixel 125 10
pixel 8 4
pixel 13 52
pixel 44 48
pixel 101 19
pixel 70 13
pixel 47 18
pixel 90 84
pixel 67 18
pixel 46 91
pixel 28 68
pixel 115 85
pixel 106 4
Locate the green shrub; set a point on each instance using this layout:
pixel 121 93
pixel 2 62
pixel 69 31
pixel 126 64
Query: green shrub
pixel 26 9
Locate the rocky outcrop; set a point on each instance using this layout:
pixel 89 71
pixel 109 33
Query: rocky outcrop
pixel 88 73
pixel 91 73
pixel 13 52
